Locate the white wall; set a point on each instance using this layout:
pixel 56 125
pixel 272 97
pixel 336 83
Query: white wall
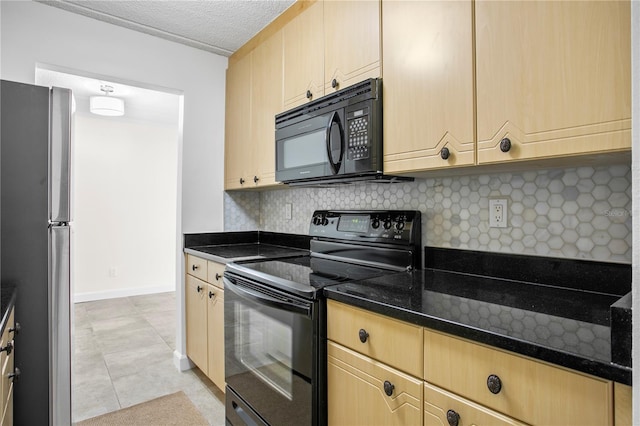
pixel 124 208
pixel 36 33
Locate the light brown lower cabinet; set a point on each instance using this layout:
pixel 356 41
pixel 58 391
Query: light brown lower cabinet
pixel 7 368
pixel 363 391
pixel 462 382
pixel 204 311
pixel 445 408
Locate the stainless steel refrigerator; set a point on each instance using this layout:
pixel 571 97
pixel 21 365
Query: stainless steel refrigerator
pixel 35 154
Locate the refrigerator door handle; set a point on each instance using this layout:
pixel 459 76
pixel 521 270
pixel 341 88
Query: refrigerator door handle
pixel 60 326
pixel 59 155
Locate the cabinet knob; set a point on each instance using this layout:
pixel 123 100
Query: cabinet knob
pixel 15 375
pixel 363 335
pixel 505 145
pixel 194 267
pixel 211 295
pixel 494 384
pixel 218 276
pixel 241 181
pixel 444 153
pixel 453 418
pixel 388 388
pixel 16 329
pixel 7 348
pixel 256 179
pixel 199 289
pixel 309 94
pixel 334 83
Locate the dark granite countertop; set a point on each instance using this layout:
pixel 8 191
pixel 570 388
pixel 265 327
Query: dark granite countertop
pixel 225 247
pixel 7 301
pixel 564 325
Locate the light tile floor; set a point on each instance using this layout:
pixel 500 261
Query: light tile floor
pixel 123 355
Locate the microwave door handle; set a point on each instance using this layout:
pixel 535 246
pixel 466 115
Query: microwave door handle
pixel 335 119
pixel 264 299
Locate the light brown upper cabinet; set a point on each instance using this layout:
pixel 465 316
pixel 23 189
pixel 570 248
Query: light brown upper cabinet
pixel 427 85
pixel 266 102
pixel 351 42
pixel 238 124
pixel 329 46
pixel 554 78
pixel 303 57
pixel 254 97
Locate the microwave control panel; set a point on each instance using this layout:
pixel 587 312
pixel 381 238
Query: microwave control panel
pixel 358 134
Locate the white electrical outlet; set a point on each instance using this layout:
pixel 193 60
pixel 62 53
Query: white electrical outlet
pixel 498 213
pixel 113 272
pixel 287 211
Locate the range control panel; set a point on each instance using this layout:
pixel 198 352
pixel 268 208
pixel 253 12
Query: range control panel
pixel 388 226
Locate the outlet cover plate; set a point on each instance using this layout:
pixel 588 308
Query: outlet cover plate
pixel 498 213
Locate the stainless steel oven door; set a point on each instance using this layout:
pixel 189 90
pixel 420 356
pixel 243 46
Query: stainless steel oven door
pixel 269 347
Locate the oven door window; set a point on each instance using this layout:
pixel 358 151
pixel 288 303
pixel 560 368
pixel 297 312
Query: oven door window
pixel 269 354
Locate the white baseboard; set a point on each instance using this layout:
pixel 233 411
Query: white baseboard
pixel 123 292
pixel 181 362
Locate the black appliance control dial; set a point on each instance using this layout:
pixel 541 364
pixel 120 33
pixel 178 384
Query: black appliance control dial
pixel 399 225
pixel 325 221
pixel 317 220
pixel 375 223
pixel 387 223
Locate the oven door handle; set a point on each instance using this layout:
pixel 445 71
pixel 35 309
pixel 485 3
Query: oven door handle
pixel 267 300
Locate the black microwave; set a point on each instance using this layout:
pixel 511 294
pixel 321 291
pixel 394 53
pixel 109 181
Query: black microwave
pixel 333 139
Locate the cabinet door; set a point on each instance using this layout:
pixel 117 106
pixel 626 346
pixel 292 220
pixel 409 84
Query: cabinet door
pixel 266 102
pixel 525 389
pixel 196 307
pixel 356 391
pixel 215 335
pixel 428 85
pixel 623 404
pixel 237 144
pixel 351 42
pixel 215 271
pixel 303 57
pixel 440 406
pixel 6 369
pixel 553 77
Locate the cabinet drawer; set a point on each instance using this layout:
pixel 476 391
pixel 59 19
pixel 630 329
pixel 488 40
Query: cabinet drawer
pixel 214 273
pixel 357 396
pixel 530 391
pixel 197 267
pixel 393 342
pixel 438 403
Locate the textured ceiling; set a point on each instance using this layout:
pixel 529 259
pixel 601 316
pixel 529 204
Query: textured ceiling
pixel 217 26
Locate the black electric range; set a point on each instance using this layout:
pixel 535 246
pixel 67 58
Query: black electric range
pixel 275 313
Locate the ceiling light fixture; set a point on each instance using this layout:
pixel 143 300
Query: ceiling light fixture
pixel 106 105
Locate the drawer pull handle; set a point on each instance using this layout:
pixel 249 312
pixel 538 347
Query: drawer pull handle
pixel 505 145
pixel 444 153
pixel 15 375
pixel 494 384
pixel 218 276
pixel 388 388
pixel 211 295
pixel 453 418
pixel 194 267
pixel 16 329
pixel 241 181
pixel 363 335
pixel 199 289
pixel 7 348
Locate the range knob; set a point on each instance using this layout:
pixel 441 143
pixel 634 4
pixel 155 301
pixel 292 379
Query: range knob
pixel 317 220
pixel 325 221
pixel 375 223
pixel 387 223
pixel 399 225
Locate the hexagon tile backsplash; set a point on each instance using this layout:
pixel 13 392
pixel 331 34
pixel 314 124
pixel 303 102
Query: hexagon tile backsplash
pixel 580 212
